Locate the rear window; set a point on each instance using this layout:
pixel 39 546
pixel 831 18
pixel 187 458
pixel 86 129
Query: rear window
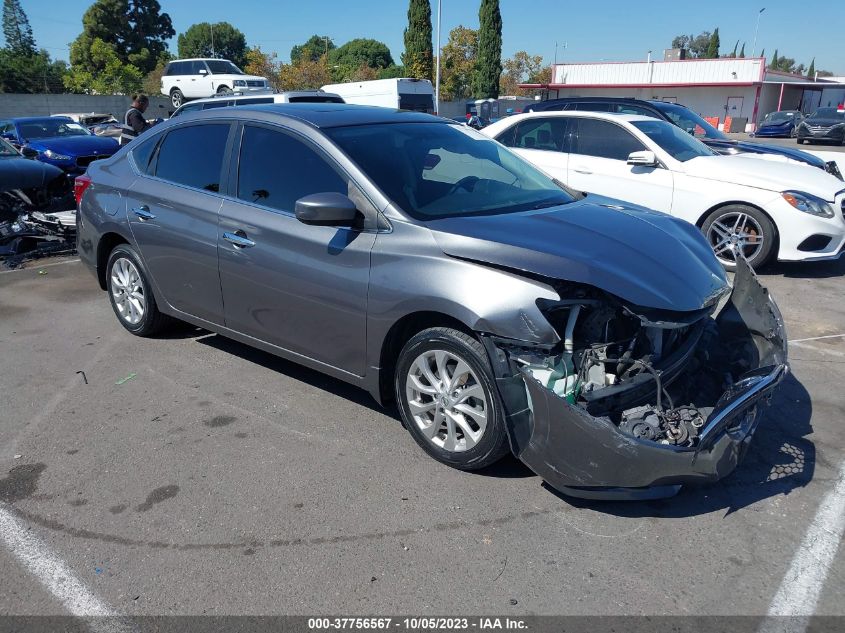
pixel 193 156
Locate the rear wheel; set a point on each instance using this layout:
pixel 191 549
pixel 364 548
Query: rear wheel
pixel 176 97
pixel 448 399
pixel 740 229
pixel 130 294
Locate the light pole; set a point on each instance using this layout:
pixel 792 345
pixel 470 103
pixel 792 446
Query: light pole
pixel 756 28
pixel 437 72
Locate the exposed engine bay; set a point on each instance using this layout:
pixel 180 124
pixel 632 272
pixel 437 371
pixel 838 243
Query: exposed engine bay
pixel 624 378
pixel 36 222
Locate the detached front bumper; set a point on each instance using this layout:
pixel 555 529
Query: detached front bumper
pixel 589 457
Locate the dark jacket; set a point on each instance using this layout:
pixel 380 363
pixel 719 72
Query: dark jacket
pixel 133 124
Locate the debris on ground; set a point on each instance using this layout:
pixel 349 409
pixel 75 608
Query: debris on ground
pixel 127 379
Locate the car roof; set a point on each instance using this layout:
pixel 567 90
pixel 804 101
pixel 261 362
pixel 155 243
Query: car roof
pixel 321 115
pixel 32 119
pixel 252 97
pixel 581 114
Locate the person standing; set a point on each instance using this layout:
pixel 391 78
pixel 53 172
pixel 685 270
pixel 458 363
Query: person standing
pixel 133 121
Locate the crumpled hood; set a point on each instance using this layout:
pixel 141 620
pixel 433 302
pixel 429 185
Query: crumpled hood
pixel 22 173
pixel 76 145
pixel 646 258
pixel 770 175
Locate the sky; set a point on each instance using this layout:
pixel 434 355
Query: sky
pixel 608 30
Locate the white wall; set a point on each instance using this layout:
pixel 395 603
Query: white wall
pixel 708 71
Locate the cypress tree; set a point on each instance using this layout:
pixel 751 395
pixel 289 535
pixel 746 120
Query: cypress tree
pixel 418 57
pixel 774 64
pixel 16 29
pixel 733 54
pixel 811 71
pixel 713 46
pixel 742 51
pixel 488 66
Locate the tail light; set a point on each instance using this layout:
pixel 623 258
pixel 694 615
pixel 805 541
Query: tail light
pixel 80 184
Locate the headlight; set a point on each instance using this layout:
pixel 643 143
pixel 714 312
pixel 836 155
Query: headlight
pixel 808 203
pixel 55 155
pixel 239 82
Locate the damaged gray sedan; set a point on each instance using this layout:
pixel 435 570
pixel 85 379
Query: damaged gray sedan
pixel 600 343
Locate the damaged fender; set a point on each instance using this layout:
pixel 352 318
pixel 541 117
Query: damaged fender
pixel 586 456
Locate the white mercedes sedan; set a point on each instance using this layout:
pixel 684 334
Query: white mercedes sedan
pixel 763 209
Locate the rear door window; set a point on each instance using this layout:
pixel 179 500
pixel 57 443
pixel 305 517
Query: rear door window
pixel 193 156
pixel 544 134
pixel 604 139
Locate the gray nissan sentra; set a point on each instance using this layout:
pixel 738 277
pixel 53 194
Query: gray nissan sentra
pixel 599 342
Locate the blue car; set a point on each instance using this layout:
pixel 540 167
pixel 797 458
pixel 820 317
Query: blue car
pixel 57 141
pixel 783 123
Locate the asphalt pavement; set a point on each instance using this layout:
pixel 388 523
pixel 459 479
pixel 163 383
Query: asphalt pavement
pixel 190 474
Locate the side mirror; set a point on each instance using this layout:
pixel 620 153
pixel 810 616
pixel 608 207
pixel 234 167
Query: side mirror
pixel 327 209
pixel 642 159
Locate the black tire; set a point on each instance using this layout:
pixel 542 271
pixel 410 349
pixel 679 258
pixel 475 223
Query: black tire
pixel 493 443
pixel 153 321
pixel 224 90
pixel 767 249
pixel 176 97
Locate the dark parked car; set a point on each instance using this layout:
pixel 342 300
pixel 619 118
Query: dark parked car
pixel 428 264
pixel 825 124
pixel 783 123
pixel 687 120
pixel 58 141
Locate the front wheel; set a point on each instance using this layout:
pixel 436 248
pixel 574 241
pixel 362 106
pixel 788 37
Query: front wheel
pixel 224 90
pixel 176 97
pixel 448 399
pixel 130 293
pixel 740 229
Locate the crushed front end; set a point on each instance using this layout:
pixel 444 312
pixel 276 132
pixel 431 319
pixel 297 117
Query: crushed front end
pixel 634 402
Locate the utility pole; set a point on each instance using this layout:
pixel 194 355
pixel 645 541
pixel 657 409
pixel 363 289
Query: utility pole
pixel 437 71
pixel 756 28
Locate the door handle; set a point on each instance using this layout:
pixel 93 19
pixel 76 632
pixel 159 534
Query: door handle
pixel 581 170
pixel 143 213
pixel 239 239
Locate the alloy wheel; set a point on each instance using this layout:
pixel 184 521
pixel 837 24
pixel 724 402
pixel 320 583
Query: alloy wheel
pixel 127 291
pixel 735 232
pixel 446 400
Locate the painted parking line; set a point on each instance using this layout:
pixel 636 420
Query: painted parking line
pixel 54 574
pixel 802 585
pixel 816 338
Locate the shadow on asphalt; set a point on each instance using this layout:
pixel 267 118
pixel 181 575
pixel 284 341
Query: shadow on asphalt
pixel 779 460
pixel 806 270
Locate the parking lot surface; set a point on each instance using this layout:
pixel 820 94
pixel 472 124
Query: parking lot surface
pixel 194 475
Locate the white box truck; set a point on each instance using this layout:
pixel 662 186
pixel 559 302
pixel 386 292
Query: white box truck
pixel 404 94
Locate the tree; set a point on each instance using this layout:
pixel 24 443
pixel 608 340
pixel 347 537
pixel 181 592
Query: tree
pixel 713 46
pixel 521 68
pixel 773 65
pixel 763 53
pixel 136 30
pixel 418 57
pixel 28 74
pixel 16 29
pixel 742 51
pixel 358 52
pixel 733 53
pixel 152 81
pixel 304 75
pixel 220 40
pixel 488 65
pixel 313 49
pixel 696 45
pixel 110 75
pixel 392 72
pixel 458 64
pixel 811 71
pixel 263 65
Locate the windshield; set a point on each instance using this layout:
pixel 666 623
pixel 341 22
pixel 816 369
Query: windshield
pixel 689 121
pixel 777 117
pixel 674 141
pixel 6 149
pixel 827 113
pixel 222 67
pixel 437 170
pixel 50 128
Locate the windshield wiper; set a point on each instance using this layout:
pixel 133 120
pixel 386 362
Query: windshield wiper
pixel 547 204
